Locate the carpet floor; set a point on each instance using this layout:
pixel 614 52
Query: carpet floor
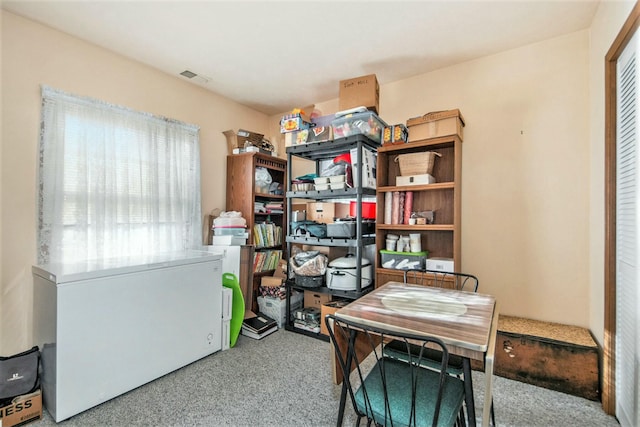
pixel 285 380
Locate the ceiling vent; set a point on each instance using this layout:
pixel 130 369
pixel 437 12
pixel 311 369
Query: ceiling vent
pixel 198 78
pixel 188 74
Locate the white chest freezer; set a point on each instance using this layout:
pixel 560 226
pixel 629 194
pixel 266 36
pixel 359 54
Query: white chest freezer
pixel 107 327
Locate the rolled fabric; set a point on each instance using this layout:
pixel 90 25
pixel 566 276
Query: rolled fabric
pixel 401 209
pixel 395 207
pixel 388 202
pixel 408 206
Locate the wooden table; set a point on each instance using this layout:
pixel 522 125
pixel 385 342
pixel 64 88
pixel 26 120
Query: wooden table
pixel 466 322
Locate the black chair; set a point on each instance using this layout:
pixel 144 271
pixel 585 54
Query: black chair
pixel 457 366
pixel 392 392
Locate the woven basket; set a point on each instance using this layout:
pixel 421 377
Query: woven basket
pixel 416 163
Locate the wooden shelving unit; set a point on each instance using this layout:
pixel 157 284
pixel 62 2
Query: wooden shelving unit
pixel 442 238
pixel 242 195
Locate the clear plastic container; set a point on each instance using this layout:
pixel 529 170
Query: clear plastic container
pixel 403 260
pixel 230 231
pixel 367 124
pixel 229 222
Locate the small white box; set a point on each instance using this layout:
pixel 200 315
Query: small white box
pixel 415 179
pixel 440 264
pixel 226 334
pixel 369 163
pixel 227 298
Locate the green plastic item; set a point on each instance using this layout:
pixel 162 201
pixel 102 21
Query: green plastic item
pixel 229 280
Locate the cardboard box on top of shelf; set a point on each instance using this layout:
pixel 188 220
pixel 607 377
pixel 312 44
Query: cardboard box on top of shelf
pixel 359 91
pixel 436 124
pixel 242 137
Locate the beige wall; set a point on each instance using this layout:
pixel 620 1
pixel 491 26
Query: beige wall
pixel 525 180
pixel 33 55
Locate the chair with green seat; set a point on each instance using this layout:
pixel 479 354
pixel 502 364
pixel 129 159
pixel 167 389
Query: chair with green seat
pixel 392 392
pixel 432 358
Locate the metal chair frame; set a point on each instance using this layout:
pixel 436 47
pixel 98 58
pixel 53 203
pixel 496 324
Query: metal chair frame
pixel 361 381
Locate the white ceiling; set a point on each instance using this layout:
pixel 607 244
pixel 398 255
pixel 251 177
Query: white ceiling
pixel 275 55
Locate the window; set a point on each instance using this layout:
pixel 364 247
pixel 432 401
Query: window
pixel 114 182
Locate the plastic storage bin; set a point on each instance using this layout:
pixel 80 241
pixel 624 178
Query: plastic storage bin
pixel 276 308
pixel 403 260
pixel 230 231
pixel 367 123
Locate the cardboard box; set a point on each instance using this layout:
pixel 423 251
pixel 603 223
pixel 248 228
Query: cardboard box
pixel 359 91
pixel 436 124
pixel 271 287
pixel 271 282
pixel 281 269
pixel 329 308
pixel 241 139
pixel 323 212
pixel 315 299
pixel 22 410
pixel 440 264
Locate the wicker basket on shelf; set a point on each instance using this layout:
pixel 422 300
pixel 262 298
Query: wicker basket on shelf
pixel 416 163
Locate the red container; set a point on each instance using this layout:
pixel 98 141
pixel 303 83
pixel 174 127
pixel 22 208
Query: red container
pixel 368 210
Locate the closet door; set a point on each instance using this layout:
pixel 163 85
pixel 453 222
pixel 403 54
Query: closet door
pixel 627 224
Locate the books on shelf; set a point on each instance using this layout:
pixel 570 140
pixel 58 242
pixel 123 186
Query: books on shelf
pixel 259 326
pixel 266 260
pixel 267 234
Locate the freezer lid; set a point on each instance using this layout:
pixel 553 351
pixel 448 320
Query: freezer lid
pixel 91 269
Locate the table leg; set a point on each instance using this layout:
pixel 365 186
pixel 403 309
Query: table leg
pixel 488 391
pixel 487 407
pixel 468 392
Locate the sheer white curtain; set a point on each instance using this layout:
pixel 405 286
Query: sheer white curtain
pixel 114 182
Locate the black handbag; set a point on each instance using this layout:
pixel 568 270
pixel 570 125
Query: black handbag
pixel 19 374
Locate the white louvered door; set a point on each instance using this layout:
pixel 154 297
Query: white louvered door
pixel 627 225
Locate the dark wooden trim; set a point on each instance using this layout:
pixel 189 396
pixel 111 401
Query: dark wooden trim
pixel 608 364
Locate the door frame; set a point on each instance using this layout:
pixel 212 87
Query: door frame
pixel 609 355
